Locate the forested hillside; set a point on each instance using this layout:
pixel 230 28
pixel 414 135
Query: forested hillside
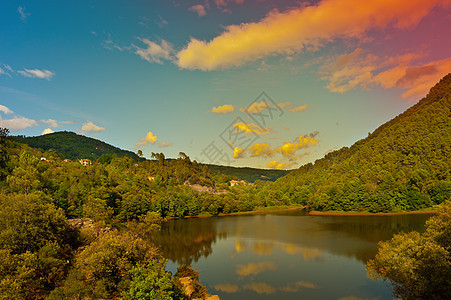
pixel 403 165
pixel 73 146
pixel 248 174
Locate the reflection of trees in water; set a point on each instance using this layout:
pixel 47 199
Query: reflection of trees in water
pixel 371 229
pixel 186 241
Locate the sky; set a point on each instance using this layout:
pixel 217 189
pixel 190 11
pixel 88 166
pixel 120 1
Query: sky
pixel 256 83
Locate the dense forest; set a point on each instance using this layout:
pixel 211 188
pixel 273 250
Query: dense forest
pixel 403 165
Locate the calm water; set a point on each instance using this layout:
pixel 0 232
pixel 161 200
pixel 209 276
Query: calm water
pixel 284 255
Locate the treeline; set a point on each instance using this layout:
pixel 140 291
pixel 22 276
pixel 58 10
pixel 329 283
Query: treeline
pixel 403 165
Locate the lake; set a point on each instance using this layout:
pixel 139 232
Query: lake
pixel 284 255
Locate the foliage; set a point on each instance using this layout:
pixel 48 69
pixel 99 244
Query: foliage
pixel 73 146
pixel 403 165
pixel 418 265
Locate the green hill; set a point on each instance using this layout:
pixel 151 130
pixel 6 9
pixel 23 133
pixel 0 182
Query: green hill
pixel 73 146
pixel 403 165
pixel 249 174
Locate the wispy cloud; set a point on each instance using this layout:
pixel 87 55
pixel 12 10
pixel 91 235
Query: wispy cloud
pixel 36 73
pixel 51 122
pixel 303 28
pixel 5 110
pixel 223 109
pixel 155 52
pixel 150 138
pixel 199 9
pixel 165 144
pixel 255 268
pixel 91 127
pixel 22 13
pixel 251 128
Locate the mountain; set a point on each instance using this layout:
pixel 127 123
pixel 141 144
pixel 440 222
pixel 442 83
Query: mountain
pixel 249 174
pixel 73 146
pixel 403 165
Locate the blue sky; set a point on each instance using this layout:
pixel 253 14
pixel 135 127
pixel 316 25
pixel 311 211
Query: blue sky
pixel 171 76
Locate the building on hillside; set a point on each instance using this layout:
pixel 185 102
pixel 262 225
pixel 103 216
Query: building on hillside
pixel 67 160
pixel 43 159
pixel 85 162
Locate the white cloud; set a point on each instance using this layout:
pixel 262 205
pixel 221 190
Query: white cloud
pixel 91 127
pixel 47 131
pixel 36 73
pixel 5 109
pixel 155 52
pixel 17 123
pixel 51 122
pixel 22 13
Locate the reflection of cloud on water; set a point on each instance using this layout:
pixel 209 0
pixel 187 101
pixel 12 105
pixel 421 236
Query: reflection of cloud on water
pixel 240 246
pixel 254 269
pixel 307 253
pixel 293 288
pixel 355 298
pixel 260 288
pixel 263 248
pixel 227 288
pixel 264 288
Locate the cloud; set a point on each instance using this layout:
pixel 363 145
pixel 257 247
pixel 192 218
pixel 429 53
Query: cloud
pixel 6 69
pixel 53 123
pixel 22 13
pixel 164 144
pixel 36 73
pixel 262 149
pixel 294 288
pixel 47 131
pixel 5 110
pixel 238 152
pixel 252 128
pixel 361 69
pixel 199 9
pixel 301 28
pixel 70 122
pixel 149 139
pixel 254 269
pixel 223 109
pixel 256 107
pixel 260 288
pixel 17 123
pixel 278 165
pixel 289 149
pixel 155 52
pixel 299 108
pixel 227 288
pixel 91 127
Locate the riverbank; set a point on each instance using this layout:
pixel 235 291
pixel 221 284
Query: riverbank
pixel 333 213
pixel 241 213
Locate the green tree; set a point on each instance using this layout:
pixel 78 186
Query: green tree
pixel 4 158
pixel 418 265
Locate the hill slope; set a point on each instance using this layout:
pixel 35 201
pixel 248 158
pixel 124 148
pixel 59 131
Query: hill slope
pixel 73 146
pixel 249 174
pixel 404 165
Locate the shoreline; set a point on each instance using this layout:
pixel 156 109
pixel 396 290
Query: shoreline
pixel 253 212
pixel 331 213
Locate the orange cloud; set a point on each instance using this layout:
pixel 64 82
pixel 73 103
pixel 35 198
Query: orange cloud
pixel 238 152
pixel 299 108
pixel 199 9
pixel 150 138
pixel 223 109
pixel 297 29
pixel 252 128
pixel 260 288
pixel 261 150
pixel 256 107
pixel 164 144
pixel 227 288
pixel 289 149
pixel 254 269
pixel 276 165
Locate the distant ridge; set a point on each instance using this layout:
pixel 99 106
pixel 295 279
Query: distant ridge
pixel 73 146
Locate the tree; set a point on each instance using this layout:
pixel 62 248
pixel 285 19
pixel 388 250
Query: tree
pixel 3 153
pixel 140 154
pixel 418 265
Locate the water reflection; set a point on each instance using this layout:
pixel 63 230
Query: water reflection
pixel 288 255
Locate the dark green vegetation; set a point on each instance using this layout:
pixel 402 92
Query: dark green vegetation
pixel 73 146
pixel 403 165
pixel 248 174
pixel 418 265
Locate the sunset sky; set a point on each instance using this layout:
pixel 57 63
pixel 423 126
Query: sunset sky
pixel 259 83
